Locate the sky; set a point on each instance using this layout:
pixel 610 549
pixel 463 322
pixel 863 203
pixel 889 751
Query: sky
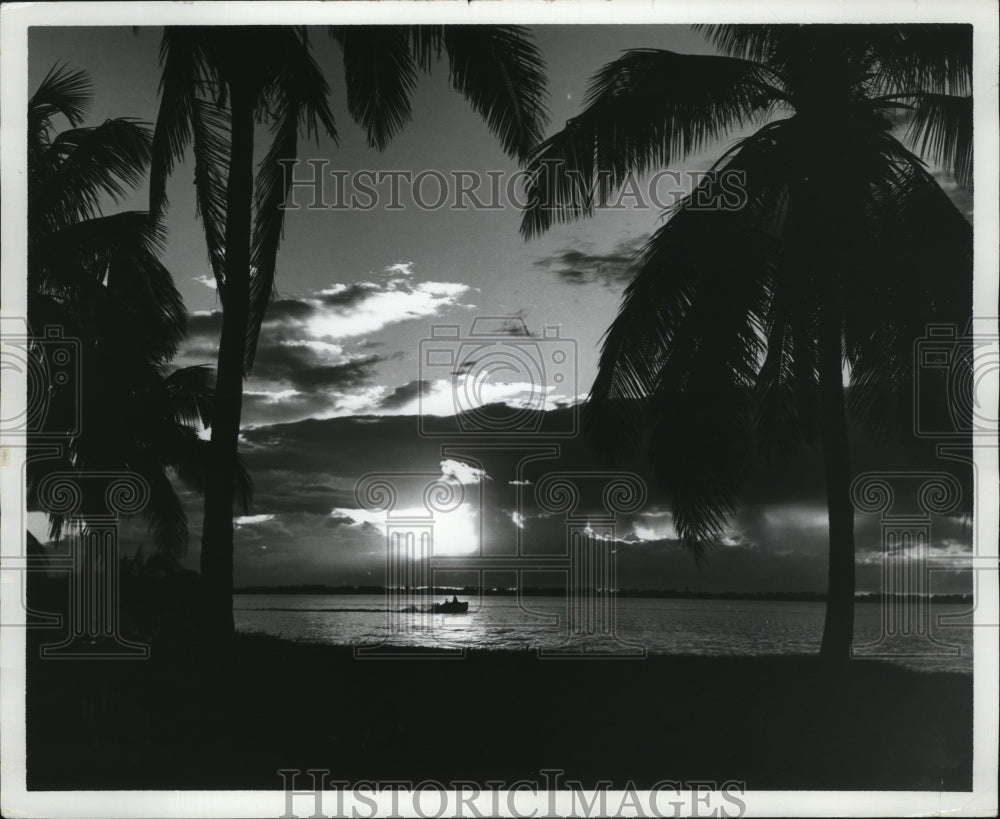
pixel 349 378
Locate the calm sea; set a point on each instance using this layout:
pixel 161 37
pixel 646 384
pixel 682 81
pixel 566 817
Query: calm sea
pixel 704 627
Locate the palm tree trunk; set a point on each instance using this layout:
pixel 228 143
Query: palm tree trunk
pixel 838 629
pixel 217 533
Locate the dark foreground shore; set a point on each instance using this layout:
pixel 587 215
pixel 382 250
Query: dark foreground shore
pixel 210 718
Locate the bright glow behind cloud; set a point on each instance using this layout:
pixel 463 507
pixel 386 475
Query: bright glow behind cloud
pixel 381 305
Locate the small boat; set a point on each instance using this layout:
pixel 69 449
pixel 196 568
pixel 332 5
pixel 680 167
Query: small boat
pixel 452 606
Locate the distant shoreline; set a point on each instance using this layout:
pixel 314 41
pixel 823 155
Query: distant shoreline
pixel 670 594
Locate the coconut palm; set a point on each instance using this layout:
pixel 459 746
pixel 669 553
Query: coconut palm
pixel 217 83
pixel 99 279
pixel 733 335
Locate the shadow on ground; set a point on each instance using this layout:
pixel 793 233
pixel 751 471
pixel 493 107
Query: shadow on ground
pixel 199 717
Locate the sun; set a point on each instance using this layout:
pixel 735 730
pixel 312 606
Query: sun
pixel 456 532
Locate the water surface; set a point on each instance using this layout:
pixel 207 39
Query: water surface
pixel 661 626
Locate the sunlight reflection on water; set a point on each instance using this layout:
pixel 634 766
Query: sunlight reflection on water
pixel 702 627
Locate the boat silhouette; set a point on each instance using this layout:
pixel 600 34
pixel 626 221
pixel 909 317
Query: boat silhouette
pixel 453 606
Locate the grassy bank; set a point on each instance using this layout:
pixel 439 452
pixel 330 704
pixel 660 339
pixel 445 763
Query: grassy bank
pixel 199 717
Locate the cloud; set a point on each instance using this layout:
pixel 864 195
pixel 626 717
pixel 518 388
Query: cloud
pixel 439 402
pixel 313 356
pixel 280 310
pixel 575 266
pixel 305 522
pixel 400 268
pixel 657 526
pixel 455 531
pixel 405 394
pixel 514 325
pixel 347 295
pixel 207 281
pixel 346 311
pixel 463 472
pixel 309 365
pixel 351 373
pixel 272 396
pixel 205 325
pixel 946 553
pixel 447 397
pixel 343 311
pixel 251 520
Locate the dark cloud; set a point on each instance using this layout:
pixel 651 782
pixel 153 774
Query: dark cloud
pixel 278 491
pixel 513 325
pixel 205 324
pixel 284 309
pixel 265 408
pixel 276 361
pixel 405 393
pixel 349 374
pixel 313 357
pixel 575 266
pixel 280 364
pixel 777 540
pixel 350 295
pixel 464 366
pixel 305 475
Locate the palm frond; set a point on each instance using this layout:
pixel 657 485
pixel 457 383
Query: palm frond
pixel 929 57
pixel 747 41
pixel 83 165
pixel 137 278
pixel 381 73
pixel 114 259
pixel 941 131
pixel 190 462
pixel 501 73
pixel 242 485
pixel 679 363
pixel 191 394
pixel 917 272
pixel 300 80
pixel 302 95
pixel 497 68
pixel 186 72
pixel 164 513
pixel 645 109
pixel 64 91
pixel 785 409
pixel 210 129
pixel 272 188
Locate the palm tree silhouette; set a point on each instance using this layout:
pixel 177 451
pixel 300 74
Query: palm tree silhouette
pixel 98 278
pixel 216 83
pixel 743 313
